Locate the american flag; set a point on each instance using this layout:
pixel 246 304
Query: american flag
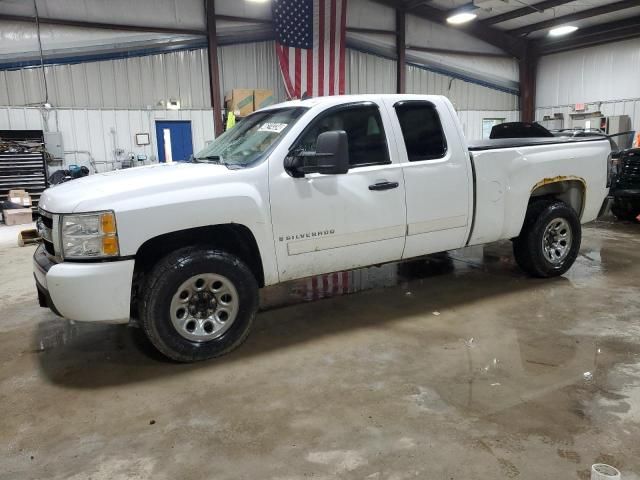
pixel 310 45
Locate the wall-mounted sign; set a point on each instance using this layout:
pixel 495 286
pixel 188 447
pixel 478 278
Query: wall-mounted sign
pixel 142 139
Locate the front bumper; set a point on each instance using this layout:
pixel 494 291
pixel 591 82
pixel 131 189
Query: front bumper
pixel 86 292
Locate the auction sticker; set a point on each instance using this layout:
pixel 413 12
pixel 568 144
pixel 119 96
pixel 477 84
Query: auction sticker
pixel 272 127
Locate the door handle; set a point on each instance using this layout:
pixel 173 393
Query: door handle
pixel 383 186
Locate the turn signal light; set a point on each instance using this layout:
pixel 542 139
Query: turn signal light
pixel 110 245
pixel 108 222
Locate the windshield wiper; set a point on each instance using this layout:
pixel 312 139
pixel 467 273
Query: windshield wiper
pixel 216 159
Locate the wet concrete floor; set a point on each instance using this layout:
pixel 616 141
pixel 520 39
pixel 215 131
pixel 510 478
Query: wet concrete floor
pixel 460 368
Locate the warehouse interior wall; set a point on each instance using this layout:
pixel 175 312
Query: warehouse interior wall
pixel 142 82
pixel 499 71
pixel 189 14
pixel 159 13
pixel 105 86
pixel 99 106
pixel 102 138
pixel 604 77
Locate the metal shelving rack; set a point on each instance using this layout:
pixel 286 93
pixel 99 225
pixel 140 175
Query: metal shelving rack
pixel 23 169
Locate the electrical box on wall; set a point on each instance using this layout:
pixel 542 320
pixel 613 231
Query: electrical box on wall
pixel 619 124
pixel 596 121
pixel 589 122
pixel 53 145
pixel 553 123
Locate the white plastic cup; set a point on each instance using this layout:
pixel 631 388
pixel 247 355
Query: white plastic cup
pixel 601 471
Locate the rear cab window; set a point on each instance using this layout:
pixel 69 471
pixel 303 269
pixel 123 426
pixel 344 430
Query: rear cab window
pixel 422 131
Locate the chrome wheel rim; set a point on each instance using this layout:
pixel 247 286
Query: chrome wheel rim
pixel 204 307
pixel 556 240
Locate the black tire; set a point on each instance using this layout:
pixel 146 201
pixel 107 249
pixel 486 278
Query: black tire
pixel 162 284
pixel 528 246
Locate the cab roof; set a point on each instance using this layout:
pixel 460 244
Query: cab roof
pixel 341 99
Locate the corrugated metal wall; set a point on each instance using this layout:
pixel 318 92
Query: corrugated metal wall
pixel 463 95
pixel 100 106
pixel 104 131
pixel 604 77
pixel 145 82
pixel 366 73
pixel 250 65
pixel 137 82
pixel 602 73
pixel 622 107
pixel 472 120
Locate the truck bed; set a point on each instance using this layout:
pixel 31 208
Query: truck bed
pixel 507 171
pixel 480 145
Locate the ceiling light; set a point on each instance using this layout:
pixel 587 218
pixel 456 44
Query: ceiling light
pixel 458 18
pixel 563 30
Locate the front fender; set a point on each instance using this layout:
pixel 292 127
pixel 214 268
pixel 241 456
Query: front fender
pixel 240 201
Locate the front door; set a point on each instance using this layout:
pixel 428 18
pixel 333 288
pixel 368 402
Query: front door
pixel 328 223
pixel 175 142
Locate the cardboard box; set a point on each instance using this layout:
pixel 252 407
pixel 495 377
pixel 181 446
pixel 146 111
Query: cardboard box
pixel 263 98
pixel 17 216
pixel 240 101
pixel 21 197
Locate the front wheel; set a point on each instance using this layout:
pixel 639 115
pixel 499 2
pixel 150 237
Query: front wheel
pixel 550 239
pixel 198 304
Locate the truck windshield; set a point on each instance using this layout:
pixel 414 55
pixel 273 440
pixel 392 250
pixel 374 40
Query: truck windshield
pixel 250 138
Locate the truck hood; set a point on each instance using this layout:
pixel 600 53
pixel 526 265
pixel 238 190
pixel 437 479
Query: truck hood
pixel 98 191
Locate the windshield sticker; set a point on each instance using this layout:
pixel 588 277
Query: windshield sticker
pixel 272 127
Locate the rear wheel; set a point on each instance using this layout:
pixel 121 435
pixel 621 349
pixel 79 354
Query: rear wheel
pixel 550 239
pixel 198 304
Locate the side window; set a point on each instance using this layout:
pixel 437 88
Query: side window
pixel 367 141
pixel 422 131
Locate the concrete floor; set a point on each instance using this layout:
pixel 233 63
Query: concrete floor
pixel 466 369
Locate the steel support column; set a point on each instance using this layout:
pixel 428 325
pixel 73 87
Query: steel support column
pixel 527 65
pixel 401 48
pixel 214 71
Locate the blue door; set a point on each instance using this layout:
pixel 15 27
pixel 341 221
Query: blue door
pixel 175 143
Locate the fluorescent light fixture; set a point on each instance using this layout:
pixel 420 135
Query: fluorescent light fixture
pixel 563 30
pixel 459 18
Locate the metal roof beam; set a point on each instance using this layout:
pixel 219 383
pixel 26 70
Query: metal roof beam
pixel 591 12
pixel 101 25
pixel 521 12
pixel 413 4
pixel 469 6
pixel 591 36
pixel 493 36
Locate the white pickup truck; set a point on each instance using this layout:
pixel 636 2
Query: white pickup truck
pixel 299 189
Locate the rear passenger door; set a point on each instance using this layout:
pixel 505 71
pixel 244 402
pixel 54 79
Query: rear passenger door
pixel 437 177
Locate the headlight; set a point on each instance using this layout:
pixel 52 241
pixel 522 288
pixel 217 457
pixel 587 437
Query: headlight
pixel 89 235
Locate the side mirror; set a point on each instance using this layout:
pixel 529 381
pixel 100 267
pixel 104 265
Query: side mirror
pixel 331 156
